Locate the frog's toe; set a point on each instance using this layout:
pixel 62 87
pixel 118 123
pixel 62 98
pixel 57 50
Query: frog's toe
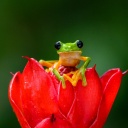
pixel 84 82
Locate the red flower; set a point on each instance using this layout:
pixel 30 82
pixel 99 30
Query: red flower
pixel 39 100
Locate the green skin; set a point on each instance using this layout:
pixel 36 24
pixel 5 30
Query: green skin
pixel 68 47
pixel 71 47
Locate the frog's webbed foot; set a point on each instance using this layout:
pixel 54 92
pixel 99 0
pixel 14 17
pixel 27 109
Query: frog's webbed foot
pixel 75 77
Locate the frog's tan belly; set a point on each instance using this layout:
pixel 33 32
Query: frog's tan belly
pixel 69 58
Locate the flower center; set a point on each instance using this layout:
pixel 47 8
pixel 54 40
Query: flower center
pixel 66 69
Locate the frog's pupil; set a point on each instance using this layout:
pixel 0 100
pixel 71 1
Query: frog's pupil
pixel 79 44
pixel 57 45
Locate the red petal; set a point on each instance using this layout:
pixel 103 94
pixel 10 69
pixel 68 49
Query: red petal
pixel 65 98
pixel 14 89
pixel 110 82
pixel 87 99
pixel 44 124
pixel 37 94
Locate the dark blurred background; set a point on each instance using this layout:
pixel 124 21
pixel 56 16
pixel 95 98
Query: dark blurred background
pixel 30 28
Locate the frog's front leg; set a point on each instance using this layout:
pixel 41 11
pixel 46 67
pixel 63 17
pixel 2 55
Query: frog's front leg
pixel 82 69
pixel 59 77
pixel 47 64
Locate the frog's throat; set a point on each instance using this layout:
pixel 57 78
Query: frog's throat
pixel 71 59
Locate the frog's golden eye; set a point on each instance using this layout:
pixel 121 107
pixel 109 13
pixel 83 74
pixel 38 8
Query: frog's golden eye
pixel 79 43
pixel 58 45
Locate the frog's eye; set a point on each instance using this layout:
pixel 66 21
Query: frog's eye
pixel 58 45
pixel 79 44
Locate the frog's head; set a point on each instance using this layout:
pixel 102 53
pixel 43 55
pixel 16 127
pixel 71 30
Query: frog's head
pixel 68 47
pixel 69 53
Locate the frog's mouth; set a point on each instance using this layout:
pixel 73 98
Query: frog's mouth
pixel 70 58
pixel 70 52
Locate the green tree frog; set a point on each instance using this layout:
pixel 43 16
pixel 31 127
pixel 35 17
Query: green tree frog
pixel 69 56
